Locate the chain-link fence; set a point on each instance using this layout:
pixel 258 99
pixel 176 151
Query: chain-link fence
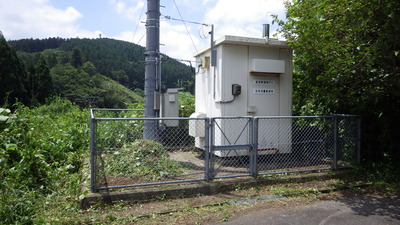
pixel 198 149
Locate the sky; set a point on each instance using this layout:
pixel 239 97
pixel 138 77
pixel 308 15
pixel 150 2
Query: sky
pixel 124 20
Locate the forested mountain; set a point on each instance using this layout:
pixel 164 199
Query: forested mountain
pixel 76 68
pixel 121 61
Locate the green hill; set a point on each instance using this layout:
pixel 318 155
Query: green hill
pixel 109 56
pixel 87 87
pixel 105 70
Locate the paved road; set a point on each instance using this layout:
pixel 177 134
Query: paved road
pixel 375 210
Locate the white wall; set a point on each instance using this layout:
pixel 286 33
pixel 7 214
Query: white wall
pixel 214 88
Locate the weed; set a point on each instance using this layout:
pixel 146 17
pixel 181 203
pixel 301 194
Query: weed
pixel 280 190
pixel 40 157
pixel 238 187
pixel 121 204
pixel 153 215
pixel 331 173
pixel 132 218
pixel 162 197
pixel 199 195
pixel 111 217
pixel 223 220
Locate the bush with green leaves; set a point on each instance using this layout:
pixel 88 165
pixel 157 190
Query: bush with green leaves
pixel 347 61
pixel 142 159
pixel 41 154
pixel 186 102
pixel 5 117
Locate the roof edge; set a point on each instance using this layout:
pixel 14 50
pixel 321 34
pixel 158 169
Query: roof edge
pixel 229 39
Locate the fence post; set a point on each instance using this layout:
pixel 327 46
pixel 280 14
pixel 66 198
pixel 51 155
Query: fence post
pixel 211 148
pixel 254 148
pixel 358 139
pixel 335 140
pixel 207 149
pixel 93 155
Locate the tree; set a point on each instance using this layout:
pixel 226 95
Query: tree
pixel 120 76
pixel 13 78
pixel 89 68
pixel 33 84
pixel 347 60
pixel 45 83
pixel 52 60
pixel 76 58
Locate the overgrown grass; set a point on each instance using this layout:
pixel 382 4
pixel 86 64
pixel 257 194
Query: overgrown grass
pixel 146 159
pixel 41 152
pixel 382 175
pixel 41 155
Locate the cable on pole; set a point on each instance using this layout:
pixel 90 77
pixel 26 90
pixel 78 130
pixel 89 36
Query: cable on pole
pixel 137 25
pixel 187 30
pixel 185 21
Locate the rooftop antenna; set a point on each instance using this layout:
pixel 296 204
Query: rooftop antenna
pixel 152 66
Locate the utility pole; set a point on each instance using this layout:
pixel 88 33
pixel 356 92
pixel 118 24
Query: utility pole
pixel 152 68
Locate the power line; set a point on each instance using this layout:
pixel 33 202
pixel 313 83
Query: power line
pixel 137 25
pixel 187 30
pixel 141 38
pixel 201 30
pixel 185 21
pixel 202 34
pixel 185 60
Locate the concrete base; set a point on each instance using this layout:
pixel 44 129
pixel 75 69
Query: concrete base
pixel 189 189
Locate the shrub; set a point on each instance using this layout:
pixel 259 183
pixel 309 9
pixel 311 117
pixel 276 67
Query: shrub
pixel 187 106
pixel 41 152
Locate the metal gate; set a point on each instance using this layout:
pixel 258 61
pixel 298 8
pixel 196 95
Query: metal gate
pixel 252 146
pixel 231 147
